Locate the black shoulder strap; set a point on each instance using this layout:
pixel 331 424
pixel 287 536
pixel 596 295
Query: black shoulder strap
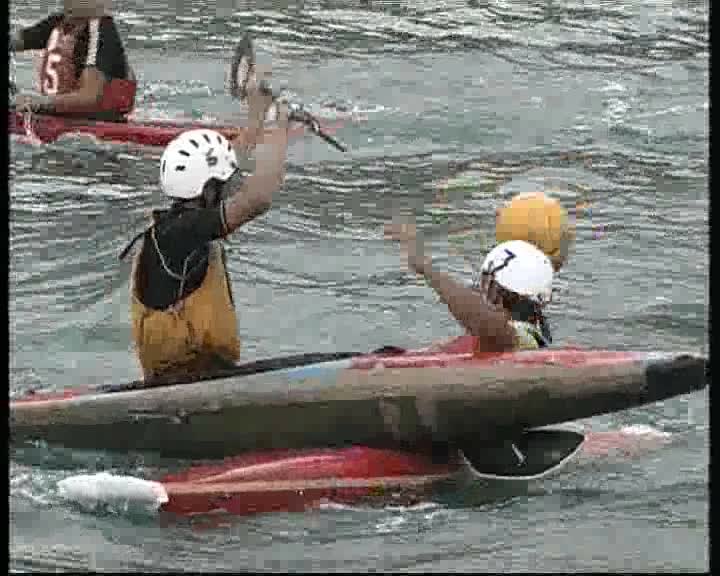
pixel 156 215
pixel 132 242
pixel 543 336
pixel 545 330
pixel 523 311
pixel 540 339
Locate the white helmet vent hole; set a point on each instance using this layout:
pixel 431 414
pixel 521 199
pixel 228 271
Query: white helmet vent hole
pixel 179 168
pixel 207 138
pixel 194 143
pixel 184 153
pixel 219 139
pixel 163 165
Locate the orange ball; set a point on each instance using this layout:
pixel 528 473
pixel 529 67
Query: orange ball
pixel 539 220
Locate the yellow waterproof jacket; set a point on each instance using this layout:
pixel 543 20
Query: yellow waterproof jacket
pixel 196 334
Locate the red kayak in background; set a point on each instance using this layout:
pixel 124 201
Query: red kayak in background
pixel 45 129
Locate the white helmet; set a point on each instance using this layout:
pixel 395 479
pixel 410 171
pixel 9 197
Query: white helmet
pixel 521 268
pixel 192 159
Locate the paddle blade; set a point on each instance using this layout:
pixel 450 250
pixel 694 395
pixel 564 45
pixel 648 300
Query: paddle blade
pixel 532 455
pixel 242 67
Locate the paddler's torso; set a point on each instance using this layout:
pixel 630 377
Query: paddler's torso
pixel 182 309
pixel 71 45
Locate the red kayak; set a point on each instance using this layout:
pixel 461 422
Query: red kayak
pixel 45 129
pixel 297 481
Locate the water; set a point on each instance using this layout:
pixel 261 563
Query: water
pixel 607 103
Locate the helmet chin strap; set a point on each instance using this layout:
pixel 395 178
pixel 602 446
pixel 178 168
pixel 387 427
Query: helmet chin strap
pixel 213 193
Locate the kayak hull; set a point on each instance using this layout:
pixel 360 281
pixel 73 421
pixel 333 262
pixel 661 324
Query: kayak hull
pixel 373 400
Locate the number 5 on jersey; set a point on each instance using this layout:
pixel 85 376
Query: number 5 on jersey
pixel 50 73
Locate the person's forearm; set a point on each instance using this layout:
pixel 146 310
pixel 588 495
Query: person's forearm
pixel 254 197
pixel 460 300
pixel 249 137
pixel 469 308
pixel 75 101
pixel 270 159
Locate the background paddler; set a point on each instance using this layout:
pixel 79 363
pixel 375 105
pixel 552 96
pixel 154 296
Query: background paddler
pixel 83 69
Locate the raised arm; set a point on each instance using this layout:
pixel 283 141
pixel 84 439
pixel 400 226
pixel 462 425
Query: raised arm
pixel 254 195
pixel 477 312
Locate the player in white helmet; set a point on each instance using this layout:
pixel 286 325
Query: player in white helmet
pixel 522 277
pixel 503 308
pixel 184 323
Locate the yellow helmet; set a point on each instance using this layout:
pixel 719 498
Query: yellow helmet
pixel 539 220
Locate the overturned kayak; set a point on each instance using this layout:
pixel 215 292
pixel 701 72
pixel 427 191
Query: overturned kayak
pixel 395 398
pixel 301 480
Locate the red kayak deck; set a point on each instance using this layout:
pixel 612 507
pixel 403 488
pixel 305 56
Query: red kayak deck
pixel 455 353
pixel 460 351
pixel 147 132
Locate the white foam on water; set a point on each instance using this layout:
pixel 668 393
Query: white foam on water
pixel 419 507
pixel 92 489
pixel 390 525
pixel 330 505
pixel 326 504
pixel 644 430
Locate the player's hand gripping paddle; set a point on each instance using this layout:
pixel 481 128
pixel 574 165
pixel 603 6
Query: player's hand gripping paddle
pixel 242 68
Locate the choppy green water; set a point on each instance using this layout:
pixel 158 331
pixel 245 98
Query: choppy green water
pixel 607 102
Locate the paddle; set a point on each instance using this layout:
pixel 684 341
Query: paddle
pixel 242 68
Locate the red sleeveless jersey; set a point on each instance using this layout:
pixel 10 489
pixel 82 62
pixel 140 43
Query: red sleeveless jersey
pixel 59 69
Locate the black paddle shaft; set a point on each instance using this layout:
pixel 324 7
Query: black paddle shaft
pixel 301 115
